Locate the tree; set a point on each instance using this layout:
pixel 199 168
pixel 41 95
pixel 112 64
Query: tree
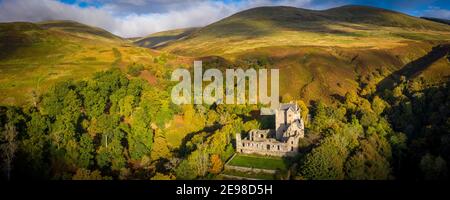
pixel 34 144
pixel 304 110
pixel 86 151
pixel 185 171
pixel 9 147
pixel 378 105
pixel 367 164
pixel 111 151
pixel 85 174
pixel 327 160
pixel 126 105
pixel 140 139
pixel 351 100
pixel 160 147
pixel 216 164
pixel 135 69
pixel 433 167
pixel 159 176
pixel 199 159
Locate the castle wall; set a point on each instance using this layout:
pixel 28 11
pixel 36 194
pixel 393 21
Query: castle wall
pixel 270 148
pixel 289 129
pixel 280 123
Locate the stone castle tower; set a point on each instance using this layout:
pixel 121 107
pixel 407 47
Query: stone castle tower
pixel 283 141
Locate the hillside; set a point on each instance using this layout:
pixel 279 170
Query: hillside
pixel 372 85
pixel 33 56
pixel 348 26
pixel 320 54
pixel 444 21
pixel 161 38
pixel 79 29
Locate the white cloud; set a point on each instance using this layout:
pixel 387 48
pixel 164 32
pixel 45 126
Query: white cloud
pixel 122 17
pixel 437 12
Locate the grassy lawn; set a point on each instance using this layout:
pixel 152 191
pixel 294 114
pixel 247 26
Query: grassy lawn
pixel 263 176
pixel 259 162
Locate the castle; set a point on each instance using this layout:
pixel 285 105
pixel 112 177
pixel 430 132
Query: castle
pixel 283 141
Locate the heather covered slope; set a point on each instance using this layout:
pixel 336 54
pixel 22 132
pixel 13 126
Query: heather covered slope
pixel 79 29
pixel 321 54
pixel 33 56
pixel 348 26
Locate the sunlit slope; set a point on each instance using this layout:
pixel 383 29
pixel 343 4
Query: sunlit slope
pixel 349 26
pixel 78 29
pixel 33 56
pixel 321 54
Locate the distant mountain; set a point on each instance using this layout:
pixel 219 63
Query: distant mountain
pixel 353 26
pixel 444 21
pixel 162 38
pixel 320 54
pixel 78 29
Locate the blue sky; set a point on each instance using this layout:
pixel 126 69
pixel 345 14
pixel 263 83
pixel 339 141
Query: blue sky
pixel 131 18
pixel 412 7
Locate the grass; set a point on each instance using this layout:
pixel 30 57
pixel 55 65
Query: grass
pixel 320 54
pixel 261 162
pixel 262 176
pixel 33 58
pixel 345 27
pixel 79 29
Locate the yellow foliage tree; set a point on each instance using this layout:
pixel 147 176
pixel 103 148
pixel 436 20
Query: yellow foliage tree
pixel 216 164
pixel 304 110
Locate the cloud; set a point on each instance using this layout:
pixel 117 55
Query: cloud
pixel 131 18
pixel 437 12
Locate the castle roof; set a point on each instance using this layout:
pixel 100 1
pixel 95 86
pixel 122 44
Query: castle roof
pixel 287 106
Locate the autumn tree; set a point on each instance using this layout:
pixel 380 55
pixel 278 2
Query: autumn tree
pixel 216 164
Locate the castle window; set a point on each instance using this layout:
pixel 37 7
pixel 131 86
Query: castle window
pixel 262 135
pixel 278 147
pixel 292 142
pixel 268 147
pixel 292 148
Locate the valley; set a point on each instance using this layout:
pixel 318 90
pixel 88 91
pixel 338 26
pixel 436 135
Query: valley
pixel 372 85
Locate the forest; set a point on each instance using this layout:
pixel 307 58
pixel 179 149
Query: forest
pixel 117 126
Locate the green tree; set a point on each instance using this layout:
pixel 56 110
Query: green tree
pixel 433 167
pixel 85 174
pixel 327 160
pixel 9 148
pixel 367 164
pixel 86 151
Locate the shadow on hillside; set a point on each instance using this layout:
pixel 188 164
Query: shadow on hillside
pixel 248 30
pixel 414 68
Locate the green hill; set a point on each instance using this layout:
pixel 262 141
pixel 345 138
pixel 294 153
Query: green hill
pixel 444 21
pixel 79 29
pixel 33 56
pixel 348 26
pixel 162 38
pixel 320 54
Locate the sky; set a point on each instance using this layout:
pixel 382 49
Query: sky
pixel 135 18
